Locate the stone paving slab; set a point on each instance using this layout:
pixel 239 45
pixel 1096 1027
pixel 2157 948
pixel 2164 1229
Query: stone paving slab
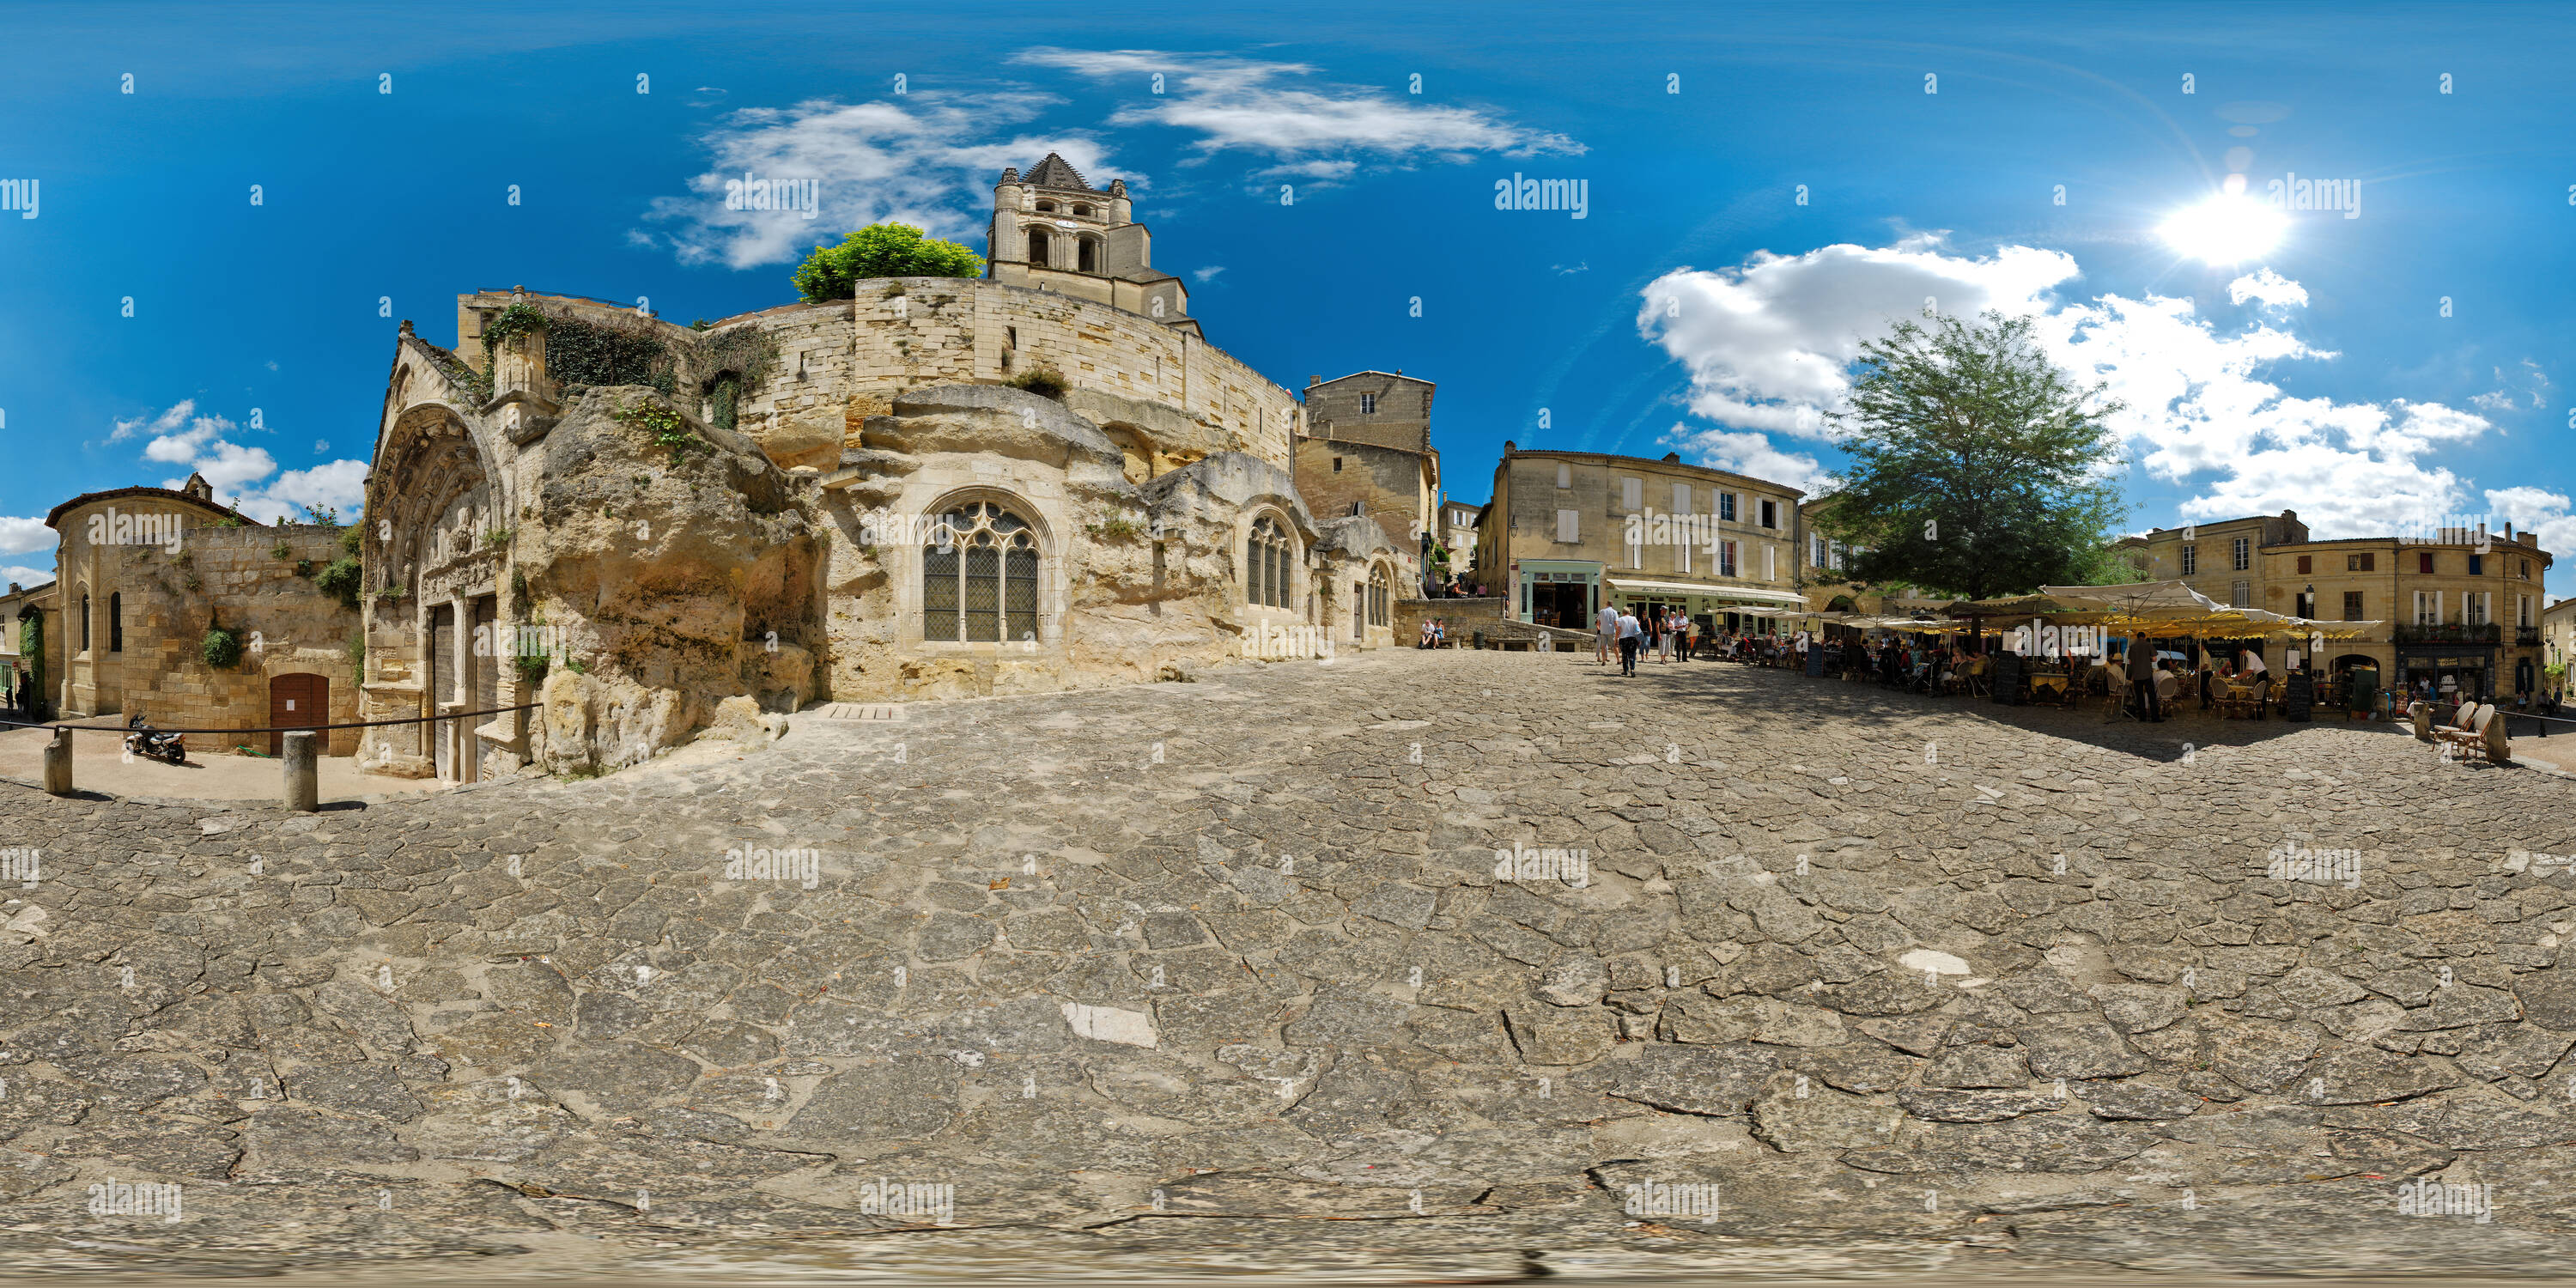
pixel 1405 965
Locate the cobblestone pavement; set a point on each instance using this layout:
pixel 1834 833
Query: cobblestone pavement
pixel 1783 976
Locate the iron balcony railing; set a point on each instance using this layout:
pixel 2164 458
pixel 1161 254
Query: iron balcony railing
pixel 2450 633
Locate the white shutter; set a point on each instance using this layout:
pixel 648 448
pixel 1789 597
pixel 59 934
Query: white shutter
pixel 1632 494
pixel 1564 475
pixel 1770 567
pixel 1569 525
pixel 1681 498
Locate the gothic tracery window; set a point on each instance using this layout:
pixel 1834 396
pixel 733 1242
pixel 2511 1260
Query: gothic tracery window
pixel 1381 596
pixel 1266 559
pixel 979 576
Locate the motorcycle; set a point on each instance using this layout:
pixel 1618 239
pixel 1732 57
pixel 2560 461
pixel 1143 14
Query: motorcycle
pixel 143 740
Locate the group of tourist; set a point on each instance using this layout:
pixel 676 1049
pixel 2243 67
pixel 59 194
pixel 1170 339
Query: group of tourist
pixel 1668 634
pixel 1435 634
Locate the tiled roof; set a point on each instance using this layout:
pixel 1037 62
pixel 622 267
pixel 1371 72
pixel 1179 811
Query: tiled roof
pixel 1054 172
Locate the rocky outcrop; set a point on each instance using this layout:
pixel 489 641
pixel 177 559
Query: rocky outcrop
pixel 671 575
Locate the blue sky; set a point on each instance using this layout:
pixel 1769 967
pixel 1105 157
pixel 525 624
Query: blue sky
pixel 1697 307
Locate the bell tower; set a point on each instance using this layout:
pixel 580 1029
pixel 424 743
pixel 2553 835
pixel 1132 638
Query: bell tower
pixel 1052 231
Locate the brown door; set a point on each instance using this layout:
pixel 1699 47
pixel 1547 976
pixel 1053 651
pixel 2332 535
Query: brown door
pixel 296 701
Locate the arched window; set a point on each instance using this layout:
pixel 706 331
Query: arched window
pixel 1381 596
pixel 1266 559
pixel 1038 247
pixel 981 585
pixel 1081 210
pixel 1046 207
pixel 84 623
pixel 116 622
pixel 1088 252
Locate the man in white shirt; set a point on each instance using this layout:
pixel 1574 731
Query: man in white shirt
pixel 1605 634
pixel 1631 635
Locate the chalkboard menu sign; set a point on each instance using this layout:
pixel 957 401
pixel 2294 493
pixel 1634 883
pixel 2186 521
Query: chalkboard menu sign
pixel 1816 658
pixel 2008 679
pixel 2297 693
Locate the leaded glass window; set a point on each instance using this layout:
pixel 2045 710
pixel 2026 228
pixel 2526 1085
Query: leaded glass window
pixel 1266 562
pixel 979 576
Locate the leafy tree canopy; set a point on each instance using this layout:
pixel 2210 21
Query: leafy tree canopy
pixel 881 250
pixel 1975 464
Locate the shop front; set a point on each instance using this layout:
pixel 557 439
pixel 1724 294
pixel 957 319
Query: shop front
pixel 2449 672
pixel 1556 592
pixel 1715 607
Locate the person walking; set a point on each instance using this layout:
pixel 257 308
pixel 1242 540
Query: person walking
pixel 1605 634
pixel 2142 677
pixel 1672 629
pixel 1690 637
pixel 1631 637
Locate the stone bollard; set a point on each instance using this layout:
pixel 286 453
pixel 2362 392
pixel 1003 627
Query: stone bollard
pixel 58 763
pixel 303 777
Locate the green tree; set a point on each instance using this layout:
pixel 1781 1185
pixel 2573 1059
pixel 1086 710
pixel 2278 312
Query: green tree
pixel 881 250
pixel 1976 465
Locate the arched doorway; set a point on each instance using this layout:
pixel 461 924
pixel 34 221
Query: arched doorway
pixel 296 700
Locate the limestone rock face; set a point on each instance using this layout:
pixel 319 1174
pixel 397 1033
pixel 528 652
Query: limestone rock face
pixel 667 575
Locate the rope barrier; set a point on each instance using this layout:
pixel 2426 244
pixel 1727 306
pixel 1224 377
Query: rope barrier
pixel 361 724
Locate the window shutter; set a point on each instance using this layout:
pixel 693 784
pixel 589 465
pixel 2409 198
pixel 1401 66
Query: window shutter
pixel 1568 526
pixel 1681 498
pixel 1632 494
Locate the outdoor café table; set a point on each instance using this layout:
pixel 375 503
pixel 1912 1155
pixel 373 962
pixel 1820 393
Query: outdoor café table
pixel 2050 684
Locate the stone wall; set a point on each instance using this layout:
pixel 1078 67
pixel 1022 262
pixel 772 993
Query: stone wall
pixel 232 576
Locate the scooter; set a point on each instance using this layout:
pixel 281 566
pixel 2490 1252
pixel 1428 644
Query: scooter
pixel 144 741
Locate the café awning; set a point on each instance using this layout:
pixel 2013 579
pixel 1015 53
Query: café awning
pixel 1746 593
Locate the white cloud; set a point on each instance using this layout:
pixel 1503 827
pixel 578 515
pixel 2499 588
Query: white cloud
pixel 241 475
pixel 1750 453
pixel 1306 127
pixel 12 573
pixel 928 160
pixel 1203 276
pixel 2537 510
pixel 1768 346
pixel 18 536
pixel 2271 288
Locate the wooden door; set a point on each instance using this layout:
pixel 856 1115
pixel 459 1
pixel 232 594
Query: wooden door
pixel 296 701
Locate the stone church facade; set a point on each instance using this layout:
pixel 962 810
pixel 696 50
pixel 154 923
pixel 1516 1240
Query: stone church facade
pixel 1040 480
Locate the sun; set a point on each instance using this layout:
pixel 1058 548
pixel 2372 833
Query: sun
pixel 2226 229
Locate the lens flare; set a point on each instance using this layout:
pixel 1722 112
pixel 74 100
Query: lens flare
pixel 2225 229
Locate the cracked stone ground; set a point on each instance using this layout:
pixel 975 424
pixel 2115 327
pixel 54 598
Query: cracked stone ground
pixel 1157 979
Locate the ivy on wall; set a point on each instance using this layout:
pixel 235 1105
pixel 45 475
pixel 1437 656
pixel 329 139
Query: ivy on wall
pixel 578 353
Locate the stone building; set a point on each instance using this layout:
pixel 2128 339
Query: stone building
pixel 144 574
pixel 656 530
pixel 19 669
pixel 2458 605
pixel 1367 450
pixel 1569 531
pixel 2558 642
pixel 1830 588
